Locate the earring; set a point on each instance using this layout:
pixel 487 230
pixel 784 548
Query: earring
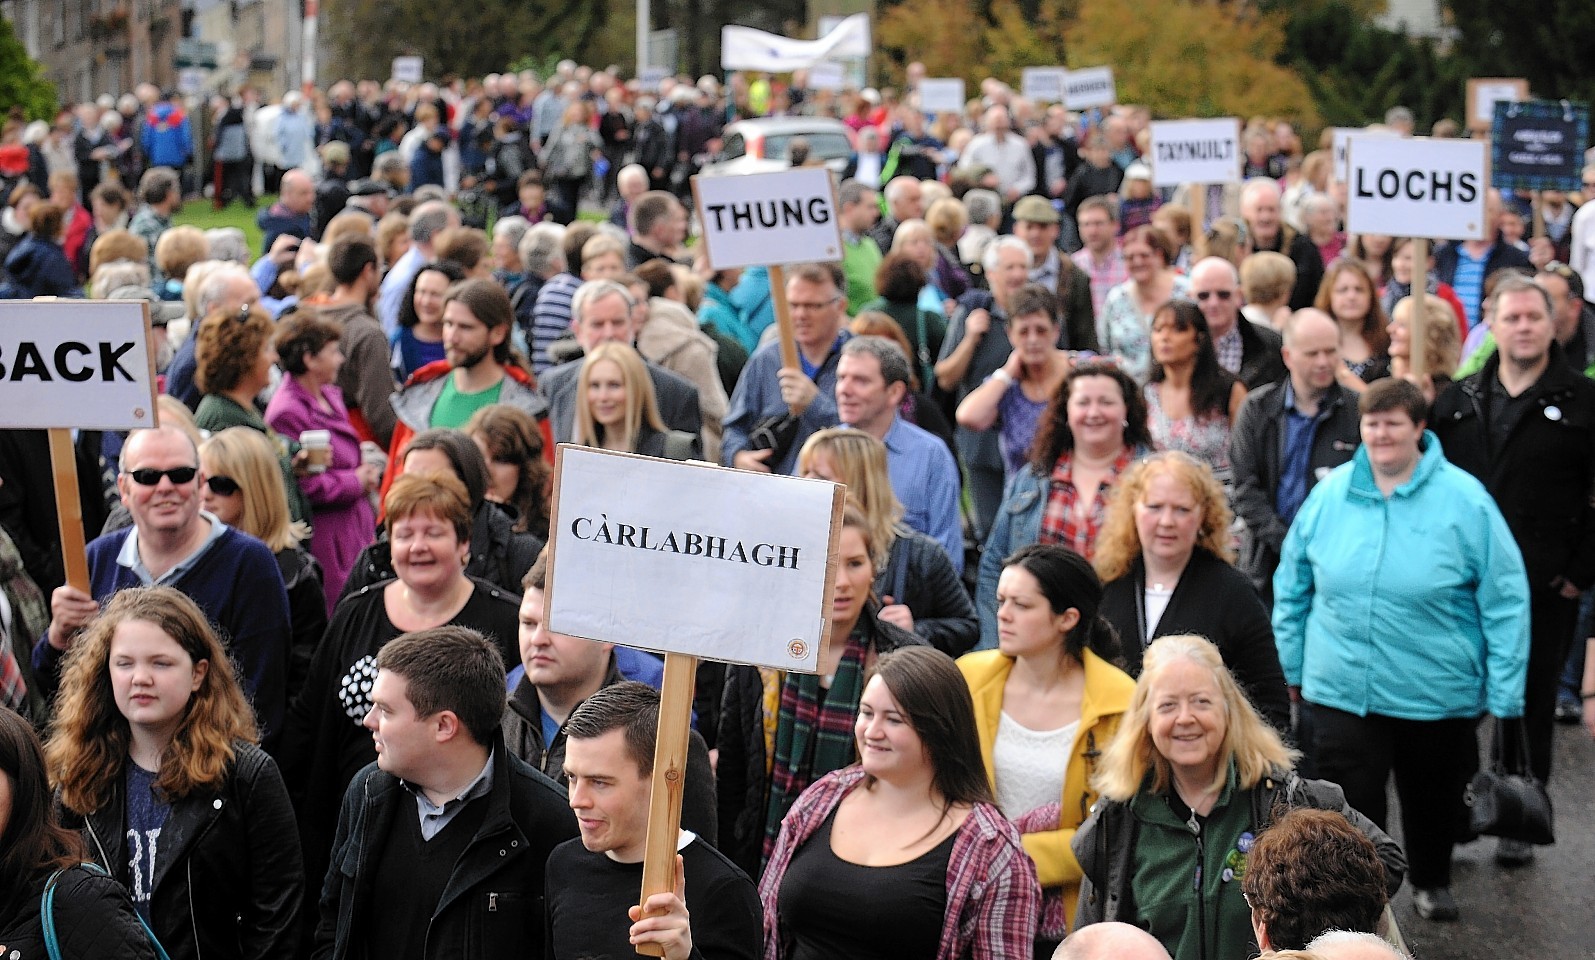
pixel 1125 424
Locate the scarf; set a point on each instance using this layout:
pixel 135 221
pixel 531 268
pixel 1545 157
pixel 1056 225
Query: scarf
pixel 811 738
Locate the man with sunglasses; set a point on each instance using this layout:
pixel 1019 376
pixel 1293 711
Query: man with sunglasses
pixel 232 576
pixel 1248 350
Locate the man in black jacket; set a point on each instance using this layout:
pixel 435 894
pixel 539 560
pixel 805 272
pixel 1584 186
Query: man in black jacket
pixel 1248 350
pixel 1525 427
pixel 442 842
pixel 1289 435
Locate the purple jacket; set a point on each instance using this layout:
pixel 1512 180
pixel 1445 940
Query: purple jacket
pixel 344 520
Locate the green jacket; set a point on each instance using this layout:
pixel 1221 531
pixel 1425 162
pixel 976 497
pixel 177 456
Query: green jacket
pixel 217 413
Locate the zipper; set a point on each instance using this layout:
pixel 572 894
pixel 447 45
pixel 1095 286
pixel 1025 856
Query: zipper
pixel 492 903
pixel 1195 827
pixel 188 866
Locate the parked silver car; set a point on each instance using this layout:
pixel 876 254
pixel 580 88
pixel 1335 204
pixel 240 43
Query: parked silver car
pixel 760 145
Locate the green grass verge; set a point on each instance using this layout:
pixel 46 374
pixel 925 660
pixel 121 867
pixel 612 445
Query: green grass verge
pixel 198 213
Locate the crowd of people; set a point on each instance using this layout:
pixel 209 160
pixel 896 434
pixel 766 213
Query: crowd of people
pixel 1159 559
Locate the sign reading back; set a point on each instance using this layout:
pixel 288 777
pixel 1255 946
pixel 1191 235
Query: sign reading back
pixel 941 95
pixel 1417 187
pixel 1538 145
pixel 1091 87
pixel 76 363
pixel 1196 151
pixel 1043 84
pixel 691 558
pixel 768 218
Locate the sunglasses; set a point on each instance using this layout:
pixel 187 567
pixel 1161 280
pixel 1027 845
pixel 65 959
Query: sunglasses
pixel 149 476
pixel 222 486
pixel 1221 294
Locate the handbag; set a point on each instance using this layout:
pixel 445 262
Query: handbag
pixel 1511 804
pixel 776 433
pixel 52 946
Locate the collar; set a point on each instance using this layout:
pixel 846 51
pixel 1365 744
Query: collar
pixel 1050 267
pixel 895 434
pixel 479 786
pixel 129 557
pixel 1234 335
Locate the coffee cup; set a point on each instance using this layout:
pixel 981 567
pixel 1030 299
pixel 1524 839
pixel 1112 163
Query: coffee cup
pixel 317 445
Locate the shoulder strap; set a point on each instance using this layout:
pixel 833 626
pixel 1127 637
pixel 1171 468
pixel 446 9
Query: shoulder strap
pixel 52 945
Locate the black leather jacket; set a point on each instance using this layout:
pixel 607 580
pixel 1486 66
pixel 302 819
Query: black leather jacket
pixel 228 878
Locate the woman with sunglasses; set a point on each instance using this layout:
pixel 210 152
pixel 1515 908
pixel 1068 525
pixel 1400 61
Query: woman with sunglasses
pixel 233 357
pixel 1191 401
pixel 309 399
pixel 155 759
pixel 243 489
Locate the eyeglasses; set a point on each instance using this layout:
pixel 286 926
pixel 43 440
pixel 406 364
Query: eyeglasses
pixel 813 306
pixel 149 476
pixel 1221 294
pixel 1589 184
pixel 222 486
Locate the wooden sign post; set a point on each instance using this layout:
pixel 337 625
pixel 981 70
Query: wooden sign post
pixel 1197 154
pixel 1422 188
pixel 75 364
pixel 626 530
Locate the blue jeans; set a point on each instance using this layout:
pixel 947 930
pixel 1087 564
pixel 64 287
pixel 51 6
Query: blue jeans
pixel 1573 671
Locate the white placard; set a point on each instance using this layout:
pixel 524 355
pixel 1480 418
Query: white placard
pixel 1341 144
pixel 76 363
pixel 1091 87
pixel 1043 84
pixel 691 558
pixel 1196 151
pixel 941 95
pixel 827 75
pixel 407 69
pixel 768 218
pixel 191 80
pixel 1487 92
pixel 1417 187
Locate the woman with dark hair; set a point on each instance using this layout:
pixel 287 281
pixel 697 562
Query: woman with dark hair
pixel 233 357
pixel 1349 296
pixel 518 476
pixel 154 754
pixel 499 555
pixel 914 825
pixel 1047 701
pixel 1094 428
pixel 898 282
pixel 309 399
pixel 418 340
pixel 1016 394
pixel 1191 401
pixel 1165 556
pixel 93 918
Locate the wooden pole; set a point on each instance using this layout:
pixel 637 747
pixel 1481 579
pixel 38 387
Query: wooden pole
pixel 669 780
pixel 1539 216
pixel 68 508
pixel 1417 313
pixel 1198 197
pixel 783 323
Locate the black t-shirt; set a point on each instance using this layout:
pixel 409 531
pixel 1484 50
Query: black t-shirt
pixel 1505 411
pixel 589 894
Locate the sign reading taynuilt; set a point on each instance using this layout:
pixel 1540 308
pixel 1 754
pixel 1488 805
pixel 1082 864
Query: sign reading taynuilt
pixel 691 558
pixel 768 218
pixel 1417 187
pixel 1538 145
pixel 1196 151
pixel 1091 87
pixel 76 363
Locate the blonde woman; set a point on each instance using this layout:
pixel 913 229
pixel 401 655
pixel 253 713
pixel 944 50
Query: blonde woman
pixel 154 757
pixel 243 488
pixel 1191 777
pixel 918 586
pixel 616 408
pixel 1443 344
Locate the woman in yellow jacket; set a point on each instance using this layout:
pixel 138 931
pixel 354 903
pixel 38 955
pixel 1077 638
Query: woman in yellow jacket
pixel 1047 701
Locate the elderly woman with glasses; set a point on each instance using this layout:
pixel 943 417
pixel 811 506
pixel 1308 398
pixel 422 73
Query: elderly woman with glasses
pixel 1125 327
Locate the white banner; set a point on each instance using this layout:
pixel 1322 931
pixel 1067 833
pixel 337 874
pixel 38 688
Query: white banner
pixel 1091 87
pixel 407 69
pixel 1042 84
pixel 1196 151
pixel 744 48
pixel 768 218
pixel 691 558
pixel 1417 187
pixel 941 95
pixel 76 363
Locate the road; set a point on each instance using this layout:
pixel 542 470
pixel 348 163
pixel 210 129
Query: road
pixel 1543 910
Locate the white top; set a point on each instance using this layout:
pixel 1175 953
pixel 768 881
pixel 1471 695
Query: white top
pixel 1030 765
pixel 1157 601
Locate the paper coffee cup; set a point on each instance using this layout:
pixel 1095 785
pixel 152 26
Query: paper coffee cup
pixel 317 445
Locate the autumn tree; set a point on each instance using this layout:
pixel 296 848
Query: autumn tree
pixel 21 79
pixel 973 40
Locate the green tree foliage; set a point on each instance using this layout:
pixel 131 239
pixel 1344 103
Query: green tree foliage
pixel 972 40
pixel 1545 41
pixel 22 81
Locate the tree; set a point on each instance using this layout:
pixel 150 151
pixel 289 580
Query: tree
pixel 1546 41
pixel 973 40
pixel 21 78
pixel 1192 59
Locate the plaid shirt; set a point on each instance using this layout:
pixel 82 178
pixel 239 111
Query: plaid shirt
pixel 1104 277
pixel 993 900
pixel 1231 349
pixel 1061 523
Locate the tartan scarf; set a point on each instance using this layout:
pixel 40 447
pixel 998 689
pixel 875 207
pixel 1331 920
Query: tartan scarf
pixel 811 740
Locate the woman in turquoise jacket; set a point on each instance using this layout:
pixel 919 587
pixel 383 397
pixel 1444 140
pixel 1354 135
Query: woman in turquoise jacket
pixel 1401 614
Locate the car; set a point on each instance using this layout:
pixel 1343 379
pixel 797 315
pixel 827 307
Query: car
pixel 760 145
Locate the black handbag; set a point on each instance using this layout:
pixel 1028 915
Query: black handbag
pixel 1513 805
pixel 777 434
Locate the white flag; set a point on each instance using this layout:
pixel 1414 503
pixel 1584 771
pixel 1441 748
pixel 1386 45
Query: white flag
pixel 744 48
